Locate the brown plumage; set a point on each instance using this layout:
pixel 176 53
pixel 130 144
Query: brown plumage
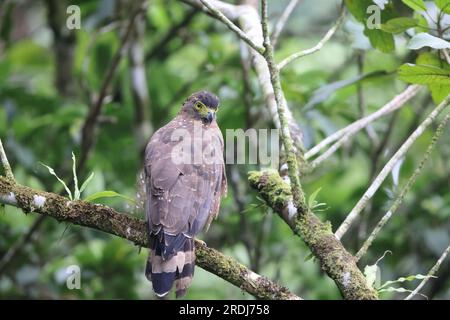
pixel 183 194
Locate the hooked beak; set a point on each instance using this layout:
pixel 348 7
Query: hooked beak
pixel 210 116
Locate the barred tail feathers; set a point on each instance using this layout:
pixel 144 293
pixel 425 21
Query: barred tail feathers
pixel 171 261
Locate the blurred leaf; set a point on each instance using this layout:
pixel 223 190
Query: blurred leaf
pixel 403 279
pixel 380 40
pixel 372 274
pixel 108 194
pixel 312 197
pixel 75 178
pixel 86 182
pixel 427 40
pixel 52 172
pixel 398 25
pixel 417 5
pixel 424 74
pixel 444 5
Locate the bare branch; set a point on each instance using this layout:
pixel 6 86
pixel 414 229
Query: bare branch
pixel 319 45
pixel 430 274
pixel 5 163
pixel 108 220
pixel 219 15
pixel 351 129
pixel 398 201
pixel 353 215
pixel 282 21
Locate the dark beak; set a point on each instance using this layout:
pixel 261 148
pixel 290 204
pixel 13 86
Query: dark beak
pixel 210 116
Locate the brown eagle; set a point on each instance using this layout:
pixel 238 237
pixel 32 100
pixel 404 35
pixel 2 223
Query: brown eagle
pixel 184 179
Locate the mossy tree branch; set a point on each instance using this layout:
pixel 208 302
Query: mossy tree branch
pixel 291 157
pixel 333 258
pixel 108 220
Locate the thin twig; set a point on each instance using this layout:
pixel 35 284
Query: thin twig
pixel 353 215
pixel 398 201
pixel 319 45
pixel 297 190
pixel 282 21
pixel 430 274
pixel 17 246
pixel 8 172
pixel 156 49
pixel 219 15
pixel 89 125
pixel 354 127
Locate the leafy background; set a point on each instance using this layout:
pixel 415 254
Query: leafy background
pixel 40 122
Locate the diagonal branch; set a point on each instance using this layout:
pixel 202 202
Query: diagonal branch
pixel 133 229
pixel 354 214
pixel 5 163
pixel 344 134
pixel 430 274
pixel 282 21
pixel 398 201
pixel 219 15
pixel 319 45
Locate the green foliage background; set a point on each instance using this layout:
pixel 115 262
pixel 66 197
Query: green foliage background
pixel 39 124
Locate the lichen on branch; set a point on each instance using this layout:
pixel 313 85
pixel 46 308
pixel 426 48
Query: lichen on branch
pixel 333 258
pixel 108 220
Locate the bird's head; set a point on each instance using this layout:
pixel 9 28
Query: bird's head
pixel 202 105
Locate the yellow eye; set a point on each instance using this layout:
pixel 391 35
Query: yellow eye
pixel 198 105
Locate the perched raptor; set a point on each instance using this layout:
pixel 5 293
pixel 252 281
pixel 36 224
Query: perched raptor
pixel 185 180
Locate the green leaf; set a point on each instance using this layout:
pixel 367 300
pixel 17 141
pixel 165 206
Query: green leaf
pixel 75 178
pixel 438 91
pixel 408 278
pixel 312 197
pixel 309 257
pixel 372 274
pixel 86 182
pixel 444 5
pixel 398 25
pixel 422 23
pixel 429 58
pixel 52 172
pixel 358 8
pixel 392 289
pixel 416 5
pixel 422 74
pixel 427 40
pixel 108 194
pixel 380 40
